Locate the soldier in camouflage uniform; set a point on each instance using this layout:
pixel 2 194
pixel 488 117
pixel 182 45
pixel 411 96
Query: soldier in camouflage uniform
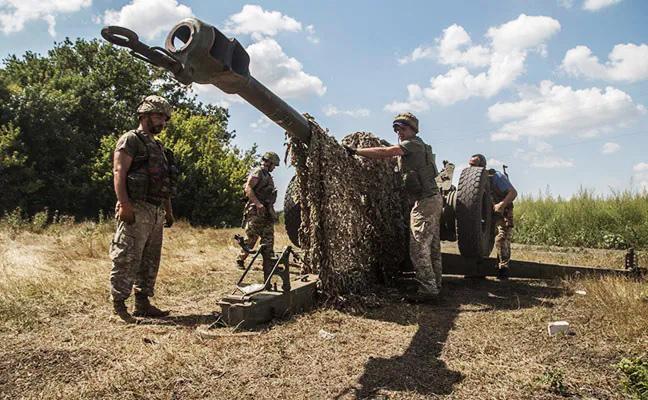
pixel 259 215
pixel 144 180
pixel 503 194
pixel 417 165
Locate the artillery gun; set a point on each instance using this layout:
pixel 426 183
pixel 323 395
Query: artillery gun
pixel 196 52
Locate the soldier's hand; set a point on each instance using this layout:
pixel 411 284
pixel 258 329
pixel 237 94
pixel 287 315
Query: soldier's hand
pixel 260 208
pixel 125 212
pixel 169 220
pixel 499 207
pixel 349 150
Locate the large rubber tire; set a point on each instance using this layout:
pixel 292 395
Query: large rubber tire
pixel 474 210
pixel 292 211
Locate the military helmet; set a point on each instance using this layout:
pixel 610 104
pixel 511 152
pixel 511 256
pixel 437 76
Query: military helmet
pixel 408 119
pixel 272 157
pixel 154 104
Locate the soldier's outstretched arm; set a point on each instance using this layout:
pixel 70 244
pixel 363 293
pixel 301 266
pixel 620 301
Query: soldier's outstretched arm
pixel 380 152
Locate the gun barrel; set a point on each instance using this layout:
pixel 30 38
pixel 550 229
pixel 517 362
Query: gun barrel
pixel 208 56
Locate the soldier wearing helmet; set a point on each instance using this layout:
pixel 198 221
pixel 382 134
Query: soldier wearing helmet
pixel 503 193
pixel 259 214
pixel 418 168
pixel 144 180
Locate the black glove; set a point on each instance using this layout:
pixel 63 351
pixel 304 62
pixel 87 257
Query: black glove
pixel 349 150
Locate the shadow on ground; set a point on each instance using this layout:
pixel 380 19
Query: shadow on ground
pixel 190 320
pixel 419 369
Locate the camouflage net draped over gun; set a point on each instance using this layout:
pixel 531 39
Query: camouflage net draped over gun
pixel 352 229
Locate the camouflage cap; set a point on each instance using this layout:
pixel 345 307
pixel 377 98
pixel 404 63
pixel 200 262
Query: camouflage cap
pixel 272 157
pixel 408 119
pixel 154 104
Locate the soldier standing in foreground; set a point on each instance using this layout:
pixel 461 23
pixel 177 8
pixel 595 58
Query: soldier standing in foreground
pixel 417 165
pixel 259 214
pixel 144 179
pixel 503 194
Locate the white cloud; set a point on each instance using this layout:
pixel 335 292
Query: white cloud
pixel 493 162
pixel 418 53
pixel 641 167
pixel 450 49
pixel 15 13
pixel 627 62
pixel 331 110
pixel 610 148
pixel 640 175
pixel 311 35
pixel 542 155
pixel 148 18
pixel 504 58
pixel 261 124
pixel 254 20
pixel 551 110
pixel 212 95
pixel 595 5
pixel 566 3
pixel 282 74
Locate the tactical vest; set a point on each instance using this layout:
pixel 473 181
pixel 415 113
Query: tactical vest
pixel 265 190
pixel 153 174
pixel 418 169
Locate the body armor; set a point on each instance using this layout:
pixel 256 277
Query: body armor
pixel 418 169
pixel 153 174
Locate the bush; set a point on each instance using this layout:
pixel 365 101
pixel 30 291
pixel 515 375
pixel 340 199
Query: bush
pixel 635 380
pixel 61 116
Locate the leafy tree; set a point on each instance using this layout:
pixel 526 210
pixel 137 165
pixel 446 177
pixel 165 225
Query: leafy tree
pixel 62 113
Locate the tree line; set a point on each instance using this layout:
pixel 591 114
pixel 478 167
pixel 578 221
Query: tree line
pixel 62 113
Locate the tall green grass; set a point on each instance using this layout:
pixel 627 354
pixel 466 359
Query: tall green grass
pixel 615 221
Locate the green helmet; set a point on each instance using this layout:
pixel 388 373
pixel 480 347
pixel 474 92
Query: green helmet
pixel 154 104
pixel 408 119
pixel 272 157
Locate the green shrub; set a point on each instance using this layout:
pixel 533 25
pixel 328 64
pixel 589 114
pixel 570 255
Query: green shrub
pixel 635 379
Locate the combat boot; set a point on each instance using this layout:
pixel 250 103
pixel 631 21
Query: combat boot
pixel 144 308
pixel 425 292
pixel 120 309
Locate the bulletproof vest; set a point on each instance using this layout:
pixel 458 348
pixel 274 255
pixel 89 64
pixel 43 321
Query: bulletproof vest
pixel 418 169
pixel 153 174
pixel 265 189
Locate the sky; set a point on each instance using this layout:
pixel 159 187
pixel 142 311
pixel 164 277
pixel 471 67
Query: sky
pixel 557 90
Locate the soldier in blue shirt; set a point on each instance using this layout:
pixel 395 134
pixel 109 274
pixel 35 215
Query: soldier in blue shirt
pixel 503 194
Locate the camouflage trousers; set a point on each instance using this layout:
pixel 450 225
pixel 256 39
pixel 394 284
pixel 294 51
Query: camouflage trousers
pixel 135 252
pixel 425 243
pixel 259 227
pixel 504 231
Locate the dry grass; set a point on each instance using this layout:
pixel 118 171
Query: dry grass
pixel 484 339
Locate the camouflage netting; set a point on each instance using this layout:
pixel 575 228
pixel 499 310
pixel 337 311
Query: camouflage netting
pixel 352 230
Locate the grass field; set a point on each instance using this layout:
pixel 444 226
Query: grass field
pixel 615 221
pixel 483 340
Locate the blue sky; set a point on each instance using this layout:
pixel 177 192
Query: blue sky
pixel 555 89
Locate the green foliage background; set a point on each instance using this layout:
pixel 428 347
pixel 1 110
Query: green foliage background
pixel 61 115
pixel 617 221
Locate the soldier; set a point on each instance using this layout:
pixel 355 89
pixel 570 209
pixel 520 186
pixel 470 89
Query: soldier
pixel 503 194
pixel 417 165
pixel 259 214
pixel 145 175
